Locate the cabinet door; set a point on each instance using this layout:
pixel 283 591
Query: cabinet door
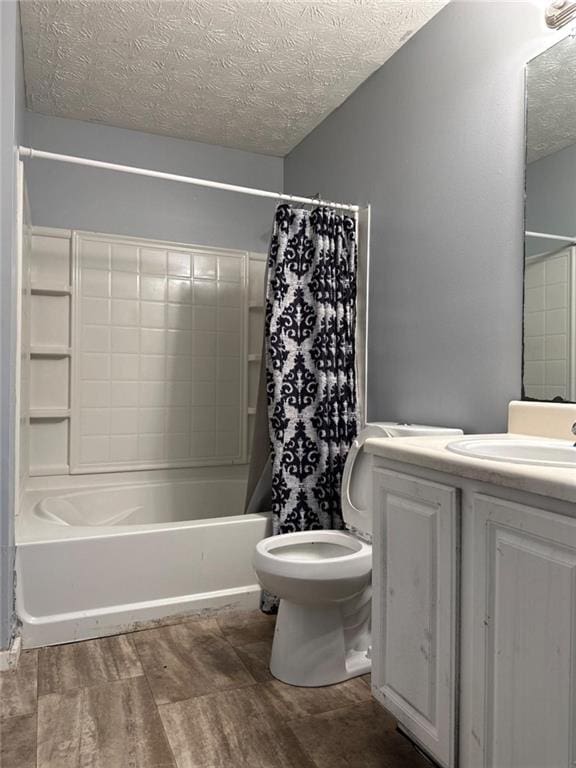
pixel 523 660
pixel 415 607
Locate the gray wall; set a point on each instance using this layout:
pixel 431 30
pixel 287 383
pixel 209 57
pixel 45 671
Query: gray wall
pixel 11 110
pixel 434 140
pixel 551 198
pixel 101 201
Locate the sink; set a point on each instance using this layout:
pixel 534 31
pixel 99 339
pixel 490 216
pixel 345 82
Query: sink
pixel 540 452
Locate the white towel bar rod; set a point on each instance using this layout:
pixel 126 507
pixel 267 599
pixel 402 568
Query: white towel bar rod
pixel 28 152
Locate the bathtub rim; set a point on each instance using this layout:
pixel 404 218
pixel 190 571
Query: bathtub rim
pixel 24 536
pixel 33 528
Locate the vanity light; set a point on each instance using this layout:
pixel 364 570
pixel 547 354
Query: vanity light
pixel 559 13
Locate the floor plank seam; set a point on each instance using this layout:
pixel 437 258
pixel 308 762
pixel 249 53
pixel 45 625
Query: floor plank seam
pixel 157 708
pixel 203 696
pixel 37 733
pixel 293 721
pixel 243 665
pixel 156 705
pixel 88 686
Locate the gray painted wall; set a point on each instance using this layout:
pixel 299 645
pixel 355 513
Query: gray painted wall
pixel 102 201
pixel 12 105
pixel 551 197
pixel 434 140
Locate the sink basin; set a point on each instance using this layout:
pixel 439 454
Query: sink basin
pixel 543 453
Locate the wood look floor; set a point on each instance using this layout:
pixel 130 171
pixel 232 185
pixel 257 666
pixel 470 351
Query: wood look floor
pixel 195 694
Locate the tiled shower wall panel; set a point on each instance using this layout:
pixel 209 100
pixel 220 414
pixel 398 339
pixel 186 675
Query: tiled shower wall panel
pixel 547 325
pixel 159 355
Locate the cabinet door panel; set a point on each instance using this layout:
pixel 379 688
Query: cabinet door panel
pixel 415 607
pixel 524 637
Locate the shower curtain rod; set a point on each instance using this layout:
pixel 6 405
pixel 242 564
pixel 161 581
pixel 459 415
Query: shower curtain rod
pixel 28 152
pixel 546 236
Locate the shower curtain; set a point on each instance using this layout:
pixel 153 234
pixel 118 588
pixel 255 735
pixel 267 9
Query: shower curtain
pixel 310 365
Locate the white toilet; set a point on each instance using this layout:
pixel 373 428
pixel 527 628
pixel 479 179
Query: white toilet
pixel 323 580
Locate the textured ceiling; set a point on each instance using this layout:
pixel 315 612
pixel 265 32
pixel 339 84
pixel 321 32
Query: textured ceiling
pixel 252 74
pixel 551 123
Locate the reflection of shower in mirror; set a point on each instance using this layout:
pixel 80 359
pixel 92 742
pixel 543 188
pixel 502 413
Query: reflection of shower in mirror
pixel 549 364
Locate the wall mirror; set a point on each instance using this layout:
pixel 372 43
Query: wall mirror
pixel 550 240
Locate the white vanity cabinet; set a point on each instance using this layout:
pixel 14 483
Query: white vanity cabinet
pixel 415 572
pixel 474 637
pixel 522 672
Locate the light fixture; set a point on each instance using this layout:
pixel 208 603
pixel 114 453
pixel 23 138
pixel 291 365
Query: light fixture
pixel 559 13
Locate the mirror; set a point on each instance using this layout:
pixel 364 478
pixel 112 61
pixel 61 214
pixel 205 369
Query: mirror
pixel 550 242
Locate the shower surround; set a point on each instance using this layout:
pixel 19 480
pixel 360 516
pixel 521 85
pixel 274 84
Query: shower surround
pixel 143 364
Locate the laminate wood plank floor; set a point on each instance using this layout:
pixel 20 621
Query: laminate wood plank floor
pixel 196 693
pixel 18 687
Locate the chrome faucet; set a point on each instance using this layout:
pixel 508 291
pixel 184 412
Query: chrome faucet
pixel 573 430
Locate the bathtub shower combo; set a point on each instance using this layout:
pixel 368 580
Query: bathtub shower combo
pixel 137 381
pixel 96 561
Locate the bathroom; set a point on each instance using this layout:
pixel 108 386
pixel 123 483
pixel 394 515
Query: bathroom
pixel 148 153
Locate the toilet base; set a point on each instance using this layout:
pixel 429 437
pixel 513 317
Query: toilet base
pixel 316 645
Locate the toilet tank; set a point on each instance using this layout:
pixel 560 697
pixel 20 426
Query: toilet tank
pixel 399 429
pixel 357 475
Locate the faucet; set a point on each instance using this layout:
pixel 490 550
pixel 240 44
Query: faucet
pixel 573 430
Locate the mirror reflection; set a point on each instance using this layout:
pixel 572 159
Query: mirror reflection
pixel 550 243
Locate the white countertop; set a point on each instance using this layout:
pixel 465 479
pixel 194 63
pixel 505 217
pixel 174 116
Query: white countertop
pixel 430 452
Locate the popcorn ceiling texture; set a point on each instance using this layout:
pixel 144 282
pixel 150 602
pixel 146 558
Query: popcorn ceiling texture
pixel 551 103
pixel 256 75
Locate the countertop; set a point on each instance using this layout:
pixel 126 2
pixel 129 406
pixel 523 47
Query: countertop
pixel 430 452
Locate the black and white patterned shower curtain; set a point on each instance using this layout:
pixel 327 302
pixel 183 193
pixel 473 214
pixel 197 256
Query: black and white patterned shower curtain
pixel 310 364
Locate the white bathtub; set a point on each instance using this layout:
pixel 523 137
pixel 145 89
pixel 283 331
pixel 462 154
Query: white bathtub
pixel 99 561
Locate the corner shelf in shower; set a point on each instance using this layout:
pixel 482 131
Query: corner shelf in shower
pixel 255 306
pixel 47 289
pixel 49 413
pixel 48 470
pixel 50 351
pixel 254 358
pixel 251 411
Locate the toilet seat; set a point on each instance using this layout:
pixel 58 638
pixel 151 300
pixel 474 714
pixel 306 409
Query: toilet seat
pixel 314 555
pixel 313 567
